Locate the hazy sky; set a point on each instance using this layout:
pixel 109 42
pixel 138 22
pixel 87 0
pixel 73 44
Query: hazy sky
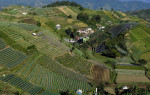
pixel 137 0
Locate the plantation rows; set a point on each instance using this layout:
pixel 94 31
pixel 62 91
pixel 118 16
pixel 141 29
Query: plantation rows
pixel 51 81
pixel 52 66
pixel 132 72
pixel 28 27
pixel 18 82
pixel 42 77
pixel 130 67
pixel 50 46
pixel 10 58
pixel 119 29
pixel 100 38
pixel 15 34
pixel 76 63
pixel 57 68
pixel 2 44
pixel 13 28
pixel 12 34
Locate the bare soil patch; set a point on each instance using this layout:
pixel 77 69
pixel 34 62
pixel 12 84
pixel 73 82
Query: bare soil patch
pixel 124 78
pixel 100 74
pixel 29 21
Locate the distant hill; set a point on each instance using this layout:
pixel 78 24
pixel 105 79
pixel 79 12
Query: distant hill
pixel 136 0
pixel 93 4
pixel 144 14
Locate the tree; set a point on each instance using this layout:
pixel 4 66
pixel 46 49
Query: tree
pixel 112 9
pixel 83 17
pixel 68 92
pixel 70 33
pixel 69 16
pixel 117 91
pixel 96 18
pixel 101 9
pixel 81 8
pixel 142 62
pixel 101 89
pixel 39 23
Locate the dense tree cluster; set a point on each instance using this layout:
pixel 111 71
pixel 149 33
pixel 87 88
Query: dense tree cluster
pixel 91 21
pixel 142 62
pixel 63 3
pixel 72 32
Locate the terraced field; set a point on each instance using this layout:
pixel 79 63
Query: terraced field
pixel 50 46
pixel 127 76
pixel 76 63
pixel 18 82
pixel 10 58
pixel 66 10
pixel 45 41
pixel 2 44
pixel 42 77
pixel 58 68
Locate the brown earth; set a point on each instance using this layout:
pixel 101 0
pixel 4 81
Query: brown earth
pixel 100 74
pixel 29 21
pixel 124 78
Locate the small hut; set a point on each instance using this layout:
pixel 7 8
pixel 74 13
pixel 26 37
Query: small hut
pixel 58 26
pixel 79 92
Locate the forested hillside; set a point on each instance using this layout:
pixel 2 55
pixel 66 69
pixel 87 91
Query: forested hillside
pixel 144 14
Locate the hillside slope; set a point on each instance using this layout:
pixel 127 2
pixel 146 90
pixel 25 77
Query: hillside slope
pixel 36 59
pixel 94 4
pixel 144 14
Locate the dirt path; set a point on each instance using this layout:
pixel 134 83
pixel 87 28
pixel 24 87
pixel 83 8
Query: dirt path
pixel 5 48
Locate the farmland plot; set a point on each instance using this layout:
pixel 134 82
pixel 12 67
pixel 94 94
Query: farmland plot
pixel 126 76
pixel 18 82
pixel 10 58
pixel 2 44
pixel 76 63
pixel 66 10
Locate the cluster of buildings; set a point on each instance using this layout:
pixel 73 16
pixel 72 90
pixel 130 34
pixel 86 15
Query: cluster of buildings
pixel 84 33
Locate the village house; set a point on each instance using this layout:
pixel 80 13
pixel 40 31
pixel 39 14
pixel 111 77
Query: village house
pixel 58 27
pixel 24 13
pixel 125 88
pixel 100 27
pixel 79 92
pixel 81 31
pixel 109 22
pixel 89 30
pixel 70 40
pixel 85 31
pixel 34 34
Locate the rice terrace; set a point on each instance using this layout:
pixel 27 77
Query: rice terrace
pixel 64 48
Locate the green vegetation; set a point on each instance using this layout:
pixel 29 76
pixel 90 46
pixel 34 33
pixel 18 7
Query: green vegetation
pixel 2 44
pixel 90 21
pixel 34 53
pixel 130 67
pixel 15 81
pixel 76 63
pixel 144 14
pixel 63 3
pixel 10 58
